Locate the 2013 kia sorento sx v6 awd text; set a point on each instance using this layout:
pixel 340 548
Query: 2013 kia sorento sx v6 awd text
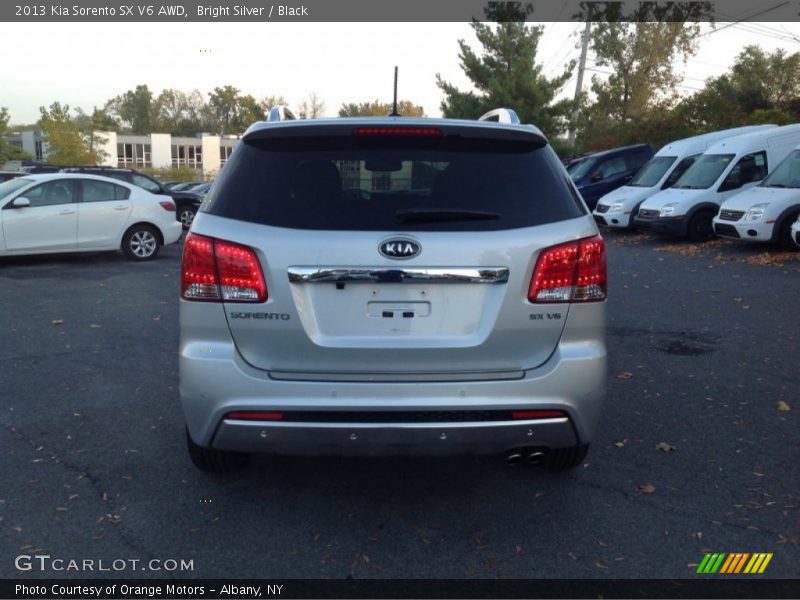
pixel 393 286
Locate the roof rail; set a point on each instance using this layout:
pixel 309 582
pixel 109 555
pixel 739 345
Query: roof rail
pixel 280 113
pixel 501 115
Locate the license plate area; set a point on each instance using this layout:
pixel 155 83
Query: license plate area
pixel 398 310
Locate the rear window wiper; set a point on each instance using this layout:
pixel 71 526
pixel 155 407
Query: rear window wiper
pixel 433 215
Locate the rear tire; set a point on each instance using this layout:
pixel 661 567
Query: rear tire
pixel 211 460
pixel 701 228
pixel 561 459
pixel 186 216
pixel 141 242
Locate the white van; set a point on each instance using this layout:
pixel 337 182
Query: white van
pixel 618 207
pixel 726 168
pixel 765 213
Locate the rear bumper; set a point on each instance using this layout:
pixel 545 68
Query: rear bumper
pixel 172 232
pixel 214 381
pixel 406 439
pixel 674 226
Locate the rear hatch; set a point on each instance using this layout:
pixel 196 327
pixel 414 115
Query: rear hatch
pixel 395 249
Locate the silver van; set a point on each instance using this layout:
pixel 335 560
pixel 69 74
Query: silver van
pixel 377 286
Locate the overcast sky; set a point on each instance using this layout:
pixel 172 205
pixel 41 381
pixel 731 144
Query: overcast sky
pixel 86 64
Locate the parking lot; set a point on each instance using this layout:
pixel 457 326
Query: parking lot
pixel 697 450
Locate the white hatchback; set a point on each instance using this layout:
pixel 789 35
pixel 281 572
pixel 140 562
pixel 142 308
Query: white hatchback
pixel 71 212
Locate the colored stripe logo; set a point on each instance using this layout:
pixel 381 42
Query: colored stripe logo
pixel 734 563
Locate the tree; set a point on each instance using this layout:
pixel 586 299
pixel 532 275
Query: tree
pixel 222 107
pixel 312 107
pixel 759 88
pixel 7 150
pixel 67 145
pixel 380 109
pixel 248 111
pixel 640 53
pixel 506 73
pixel 269 102
pixel 136 109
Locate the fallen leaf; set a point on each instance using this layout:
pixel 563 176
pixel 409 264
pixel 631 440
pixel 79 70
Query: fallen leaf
pixel 365 558
pixel 646 488
pixel 95 326
pixel 664 447
pixel 61 508
pixel 625 375
pixel 57 321
pixel 620 444
pixel 157 318
pixel 783 406
pixel 600 565
pixel 698 535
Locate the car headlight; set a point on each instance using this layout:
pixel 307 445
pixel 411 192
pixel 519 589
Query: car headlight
pixel 616 207
pixel 668 209
pixel 756 212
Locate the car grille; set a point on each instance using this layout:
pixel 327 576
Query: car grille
pixel 648 214
pixel 726 230
pixel 602 208
pixel 731 215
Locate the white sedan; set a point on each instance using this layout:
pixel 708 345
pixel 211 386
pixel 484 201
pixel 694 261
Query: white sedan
pixel 71 212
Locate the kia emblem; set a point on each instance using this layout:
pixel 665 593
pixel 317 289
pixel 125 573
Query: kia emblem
pixel 399 248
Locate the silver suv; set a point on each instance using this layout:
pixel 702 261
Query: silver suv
pixel 393 286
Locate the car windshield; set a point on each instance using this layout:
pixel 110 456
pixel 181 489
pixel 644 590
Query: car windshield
pixel 653 171
pixel 702 174
pixel 12 185
pixel 786 174
pixel 582 168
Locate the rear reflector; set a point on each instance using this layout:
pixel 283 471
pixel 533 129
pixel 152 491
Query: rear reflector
pixel 255 415
pixel 406 131
pixel 167 205
pixel 219 271
pixel 571 272
pixel 538 414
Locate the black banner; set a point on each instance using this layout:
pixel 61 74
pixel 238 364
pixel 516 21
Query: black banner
pixel 184 11
pixel 245 589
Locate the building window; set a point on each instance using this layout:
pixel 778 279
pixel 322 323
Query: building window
pixel 224 154
pixel 134 155
pixel 187 156
pixel 39 151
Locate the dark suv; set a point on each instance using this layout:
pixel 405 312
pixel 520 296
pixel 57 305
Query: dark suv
pixel 602 172
pixel 187 203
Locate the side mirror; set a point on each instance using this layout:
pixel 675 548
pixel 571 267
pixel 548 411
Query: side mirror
pixel 596 176
pixel 732 182
pixel 20 202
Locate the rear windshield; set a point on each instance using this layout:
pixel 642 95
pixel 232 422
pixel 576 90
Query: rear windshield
pixel 360 184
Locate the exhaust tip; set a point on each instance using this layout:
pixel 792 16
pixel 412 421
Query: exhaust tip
pixel 514 458
pixel 536 457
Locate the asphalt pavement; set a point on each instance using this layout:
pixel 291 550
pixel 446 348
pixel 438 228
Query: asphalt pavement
pixel 696 452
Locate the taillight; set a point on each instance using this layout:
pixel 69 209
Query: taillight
pixel 219 271
pixel 167 205
pixel 571 272
pixel 404 131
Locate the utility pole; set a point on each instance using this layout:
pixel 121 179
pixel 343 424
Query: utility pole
pixel 579 83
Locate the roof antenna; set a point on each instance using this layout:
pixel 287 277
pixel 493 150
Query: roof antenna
pixel 394 107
